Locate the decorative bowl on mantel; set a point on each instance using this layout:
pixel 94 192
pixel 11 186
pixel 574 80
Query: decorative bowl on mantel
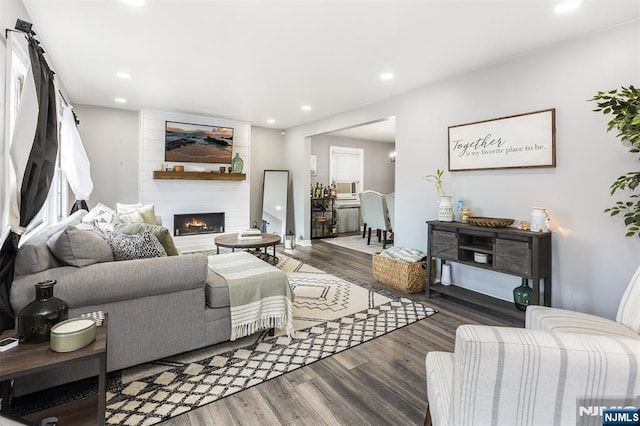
pixel 489 222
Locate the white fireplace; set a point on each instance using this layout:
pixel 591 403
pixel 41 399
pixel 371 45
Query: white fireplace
pixel 178 197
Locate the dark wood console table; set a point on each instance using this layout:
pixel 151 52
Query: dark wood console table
pixel 511 251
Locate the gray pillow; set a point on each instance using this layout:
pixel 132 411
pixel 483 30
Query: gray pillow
pixel 34 255
pixel 76 247
pixel 161 233
pixel 136 246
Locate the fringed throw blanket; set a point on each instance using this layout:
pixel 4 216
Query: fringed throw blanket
pixel 259 294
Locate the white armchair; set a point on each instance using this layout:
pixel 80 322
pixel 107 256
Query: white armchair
pixel 536 375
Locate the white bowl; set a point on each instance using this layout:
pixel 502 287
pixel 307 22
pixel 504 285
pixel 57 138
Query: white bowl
pixel 480 257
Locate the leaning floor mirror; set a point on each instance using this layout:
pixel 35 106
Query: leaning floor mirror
pixel 274 201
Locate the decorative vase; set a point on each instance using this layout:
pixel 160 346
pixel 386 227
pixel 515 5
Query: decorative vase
pixel 539 220
pixel 36 319
pixel 522 295
pixel 236 164
pixel 445 209
pixel 445 274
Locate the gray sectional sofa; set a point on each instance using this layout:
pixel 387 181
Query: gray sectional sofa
pixel 157 307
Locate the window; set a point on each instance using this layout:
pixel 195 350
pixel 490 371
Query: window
pixel 346 169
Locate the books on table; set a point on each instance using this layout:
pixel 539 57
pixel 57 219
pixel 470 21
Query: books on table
pixel 250 234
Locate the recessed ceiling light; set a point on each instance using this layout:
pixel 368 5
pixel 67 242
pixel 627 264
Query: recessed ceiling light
pixel 124 75
pixel 121 100
pixel 137 3
pixel 271 121
pixel 567 6
pixel 305 108
pixel 386 76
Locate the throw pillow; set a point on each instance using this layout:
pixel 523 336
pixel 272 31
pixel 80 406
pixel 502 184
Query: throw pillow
pixel 131 217
pixel 127 208
pixel 161 233
pixel 75 247
pixel 147 212
pixel 137 246
pixel 100 213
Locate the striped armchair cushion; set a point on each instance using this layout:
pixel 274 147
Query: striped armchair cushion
pixel 508 376
pixel 628 312
pixel 564 321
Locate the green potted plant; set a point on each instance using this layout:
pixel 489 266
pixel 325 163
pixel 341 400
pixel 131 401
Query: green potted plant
pixel 445 207
pixel 624 105
pixel 437 179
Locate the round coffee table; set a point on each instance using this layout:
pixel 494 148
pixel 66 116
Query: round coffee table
pixel 231 241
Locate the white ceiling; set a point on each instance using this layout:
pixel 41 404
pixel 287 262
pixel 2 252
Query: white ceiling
pixel 379 131
pixel 256 60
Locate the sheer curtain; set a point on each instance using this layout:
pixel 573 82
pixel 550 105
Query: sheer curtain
pixel 74 161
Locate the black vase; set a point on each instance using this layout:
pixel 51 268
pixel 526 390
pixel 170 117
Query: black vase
pixel 36 319
pixel 522 295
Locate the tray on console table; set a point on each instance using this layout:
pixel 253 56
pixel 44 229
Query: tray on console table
pixel 511 251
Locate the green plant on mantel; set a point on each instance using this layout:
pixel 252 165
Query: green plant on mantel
pixel 437 179
pixel 624 105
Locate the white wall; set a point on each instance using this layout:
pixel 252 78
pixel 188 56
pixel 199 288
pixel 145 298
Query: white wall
pixel 110 138
pixel 193 196
pixel 379 171
pixel 592 259
pixel 266 154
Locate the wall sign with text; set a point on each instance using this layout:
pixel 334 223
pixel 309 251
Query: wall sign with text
pixel 523 140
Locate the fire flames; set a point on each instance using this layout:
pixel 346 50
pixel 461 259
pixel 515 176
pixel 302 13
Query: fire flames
pixel 194 223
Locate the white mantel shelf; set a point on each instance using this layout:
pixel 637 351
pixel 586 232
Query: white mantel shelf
pixel 160 174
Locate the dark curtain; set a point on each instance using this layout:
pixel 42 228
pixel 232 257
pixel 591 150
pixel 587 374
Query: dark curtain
pixel 79 205
pixel 37 175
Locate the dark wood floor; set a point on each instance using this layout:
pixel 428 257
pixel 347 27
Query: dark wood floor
pixel 376 383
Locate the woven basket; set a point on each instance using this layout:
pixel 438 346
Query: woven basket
pixel 490 222
pixel 406 277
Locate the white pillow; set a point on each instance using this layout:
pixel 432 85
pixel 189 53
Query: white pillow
pixel 147 211
pixel 100 213
pixel 127 208
pixel 133 217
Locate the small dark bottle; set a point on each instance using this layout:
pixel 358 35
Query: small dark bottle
pixel 36 319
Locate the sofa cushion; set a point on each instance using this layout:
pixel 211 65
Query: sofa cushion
pixel 161 233
pixel 75 247
pixel 34 254
pixel 136 246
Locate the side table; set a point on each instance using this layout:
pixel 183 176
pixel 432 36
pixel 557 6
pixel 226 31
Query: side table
pixel 32 358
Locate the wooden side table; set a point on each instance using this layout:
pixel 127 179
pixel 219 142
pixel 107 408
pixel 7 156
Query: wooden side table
pixel 32 358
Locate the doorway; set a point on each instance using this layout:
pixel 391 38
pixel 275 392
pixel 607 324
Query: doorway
pixel 376 141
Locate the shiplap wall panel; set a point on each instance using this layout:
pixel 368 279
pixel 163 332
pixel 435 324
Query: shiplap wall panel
pixel 193 196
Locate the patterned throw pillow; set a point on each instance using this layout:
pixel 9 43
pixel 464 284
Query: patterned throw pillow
pixel 137 246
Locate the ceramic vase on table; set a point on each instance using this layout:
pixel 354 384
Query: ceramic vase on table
pixel 445 209
pixel 523 295
pixel 539 220
pixel 36 319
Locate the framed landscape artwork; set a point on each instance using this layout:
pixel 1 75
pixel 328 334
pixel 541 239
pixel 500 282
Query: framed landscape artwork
pixel 523 140
pixel 197 143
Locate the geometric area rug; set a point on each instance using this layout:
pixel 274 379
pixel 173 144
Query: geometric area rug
pixel 331 314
